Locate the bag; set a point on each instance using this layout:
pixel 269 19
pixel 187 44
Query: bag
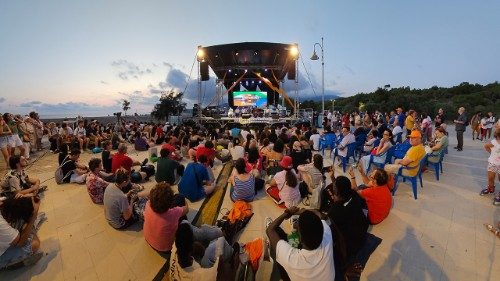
pixel 315 198
pixel 148 169
pixel 259 184
pixel 373 152
pixel 244 272
pixel 58 175
pixel 274 193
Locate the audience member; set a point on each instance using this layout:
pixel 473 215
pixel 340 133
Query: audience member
pixel 168 170
pixel 195 184
pixel 242 183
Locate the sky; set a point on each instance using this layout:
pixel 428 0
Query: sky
pixel 70 58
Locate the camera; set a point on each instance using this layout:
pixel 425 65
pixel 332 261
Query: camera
pixel 117 114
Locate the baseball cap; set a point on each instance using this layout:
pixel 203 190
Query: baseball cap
pixel 415 134
pixel 286 162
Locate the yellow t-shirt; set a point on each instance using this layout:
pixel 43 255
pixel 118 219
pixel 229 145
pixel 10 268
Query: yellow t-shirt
pixel 409 122
pixel 415 154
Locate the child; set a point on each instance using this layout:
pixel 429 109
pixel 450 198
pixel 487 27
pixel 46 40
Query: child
pixel 107 156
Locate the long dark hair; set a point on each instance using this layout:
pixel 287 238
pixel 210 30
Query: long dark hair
pixel 318 162
pixel 184 243
pixel 290 178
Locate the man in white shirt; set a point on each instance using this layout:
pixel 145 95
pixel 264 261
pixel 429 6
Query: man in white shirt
pixel 314 261
pixel 81 135
pixel 314 140
pixel 341 149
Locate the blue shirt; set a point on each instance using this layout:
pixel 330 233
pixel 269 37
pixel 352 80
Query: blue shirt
pixel 235 132
pixel 191 184
pixel 401 120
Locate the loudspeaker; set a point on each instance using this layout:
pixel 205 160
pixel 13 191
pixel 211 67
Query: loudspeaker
pixel 204 71
pixel 246 115
pixel 292 72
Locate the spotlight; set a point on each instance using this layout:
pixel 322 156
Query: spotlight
pixel 236 53
pixel 229 70
pixel 200 55
pixel 255 53
pixel 294 52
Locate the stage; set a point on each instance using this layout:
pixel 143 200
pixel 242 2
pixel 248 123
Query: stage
pixel 251 121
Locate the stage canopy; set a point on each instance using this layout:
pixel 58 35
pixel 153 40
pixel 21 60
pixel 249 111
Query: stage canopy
pixel 244 62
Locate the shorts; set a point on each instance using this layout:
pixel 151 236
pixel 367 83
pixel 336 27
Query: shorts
pixel 493 168
pixel 15 141
pixel 16 254
pixel 4 142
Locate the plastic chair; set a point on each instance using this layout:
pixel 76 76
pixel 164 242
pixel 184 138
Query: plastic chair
pixel 438 165
pixel 328 141
pixel 351 152
pixel 388 159
pixel 413 179
pixel 360 144
pixel 399 137
pixel 401 149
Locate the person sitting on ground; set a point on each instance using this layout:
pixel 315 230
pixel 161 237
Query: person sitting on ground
pixel 168 170
pixel 97 180
pixel 122 210
pixel 412 157
pixel 237 151
pixel 162 214
pixel 341 149
pixel 380 154
pixel 438 145
pixel 188 256
pixel 312 174
pixel 106 156
pixel 141 142
pixel 254 162
pixel 17 183
pixel 242 183
pixel 81 135
pixel 72 171
pixel 314 139
pixel 19 248
pixel 314 260
pixel 171 146
pixel 122 160
pixel 195 184
pixel 346 211
pixel 284 186
pixel 375 191
pixel 298 155
pixel 273 157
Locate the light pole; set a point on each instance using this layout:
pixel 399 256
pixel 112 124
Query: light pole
pixel 315 57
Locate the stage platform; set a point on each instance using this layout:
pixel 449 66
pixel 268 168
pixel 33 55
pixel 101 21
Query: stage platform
pixel 223 121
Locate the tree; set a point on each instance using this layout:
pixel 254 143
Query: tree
pixel 126 106
pixel 170 104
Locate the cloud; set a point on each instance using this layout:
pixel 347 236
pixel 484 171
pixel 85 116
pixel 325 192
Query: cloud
pixel 69 108
pixel 127 70
pixel 2 99
pixel 104 82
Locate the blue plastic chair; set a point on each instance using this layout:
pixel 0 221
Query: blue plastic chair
pixel 413 179
pixel 401 149
pixel 438 166
pixel 360 144
pixel 388 159
pixel 328 141
pixel 399 137
pixel 351 152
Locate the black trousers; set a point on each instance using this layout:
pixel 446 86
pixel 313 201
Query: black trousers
pixel 460 139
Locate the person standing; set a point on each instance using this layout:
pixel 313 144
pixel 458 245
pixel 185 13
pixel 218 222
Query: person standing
pixel 474 124
pixel 439 119
pixel 460 125
pixel 489 124
pixel 493 170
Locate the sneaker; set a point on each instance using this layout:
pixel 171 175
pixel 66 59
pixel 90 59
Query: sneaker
pixel 42 188
pixel 496 201
pixel 487 191
pixel 41 218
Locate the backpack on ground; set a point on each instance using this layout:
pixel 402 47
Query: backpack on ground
pixel 59 175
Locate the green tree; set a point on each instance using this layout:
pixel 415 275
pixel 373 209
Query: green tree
pixel 125 106
pixel 170 104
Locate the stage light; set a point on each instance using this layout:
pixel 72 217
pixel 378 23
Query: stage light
pixel 246 70
pixel 229 70
pixel 256 53
pixel 200 55
pixel 265 69
pixel 294 52
pixel 236 53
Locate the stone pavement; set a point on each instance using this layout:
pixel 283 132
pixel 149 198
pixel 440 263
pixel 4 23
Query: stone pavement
pixel 440 236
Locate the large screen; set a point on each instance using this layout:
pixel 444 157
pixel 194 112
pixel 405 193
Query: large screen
pixel 250 98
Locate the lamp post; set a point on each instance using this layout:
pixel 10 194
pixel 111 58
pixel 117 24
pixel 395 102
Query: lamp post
pixel 315 57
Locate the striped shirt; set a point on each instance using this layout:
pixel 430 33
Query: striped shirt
pixel 243 190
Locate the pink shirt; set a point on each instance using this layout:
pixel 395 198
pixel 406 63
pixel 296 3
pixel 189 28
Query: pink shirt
pixel 159 229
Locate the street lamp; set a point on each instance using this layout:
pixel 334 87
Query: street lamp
pixel 315 57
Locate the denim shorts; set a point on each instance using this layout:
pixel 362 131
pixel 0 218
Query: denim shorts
pixel 4 141
pixel 15 254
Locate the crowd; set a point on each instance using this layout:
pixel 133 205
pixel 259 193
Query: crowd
pixel 284 162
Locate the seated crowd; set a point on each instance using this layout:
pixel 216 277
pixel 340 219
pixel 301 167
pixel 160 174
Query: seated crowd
pixel 284 162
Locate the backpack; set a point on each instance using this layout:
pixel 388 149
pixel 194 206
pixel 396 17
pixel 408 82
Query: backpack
pixel 58 175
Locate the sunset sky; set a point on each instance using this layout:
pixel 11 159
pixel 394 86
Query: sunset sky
pixel 84 57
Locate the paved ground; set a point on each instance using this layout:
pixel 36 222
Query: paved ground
pixel 440 236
